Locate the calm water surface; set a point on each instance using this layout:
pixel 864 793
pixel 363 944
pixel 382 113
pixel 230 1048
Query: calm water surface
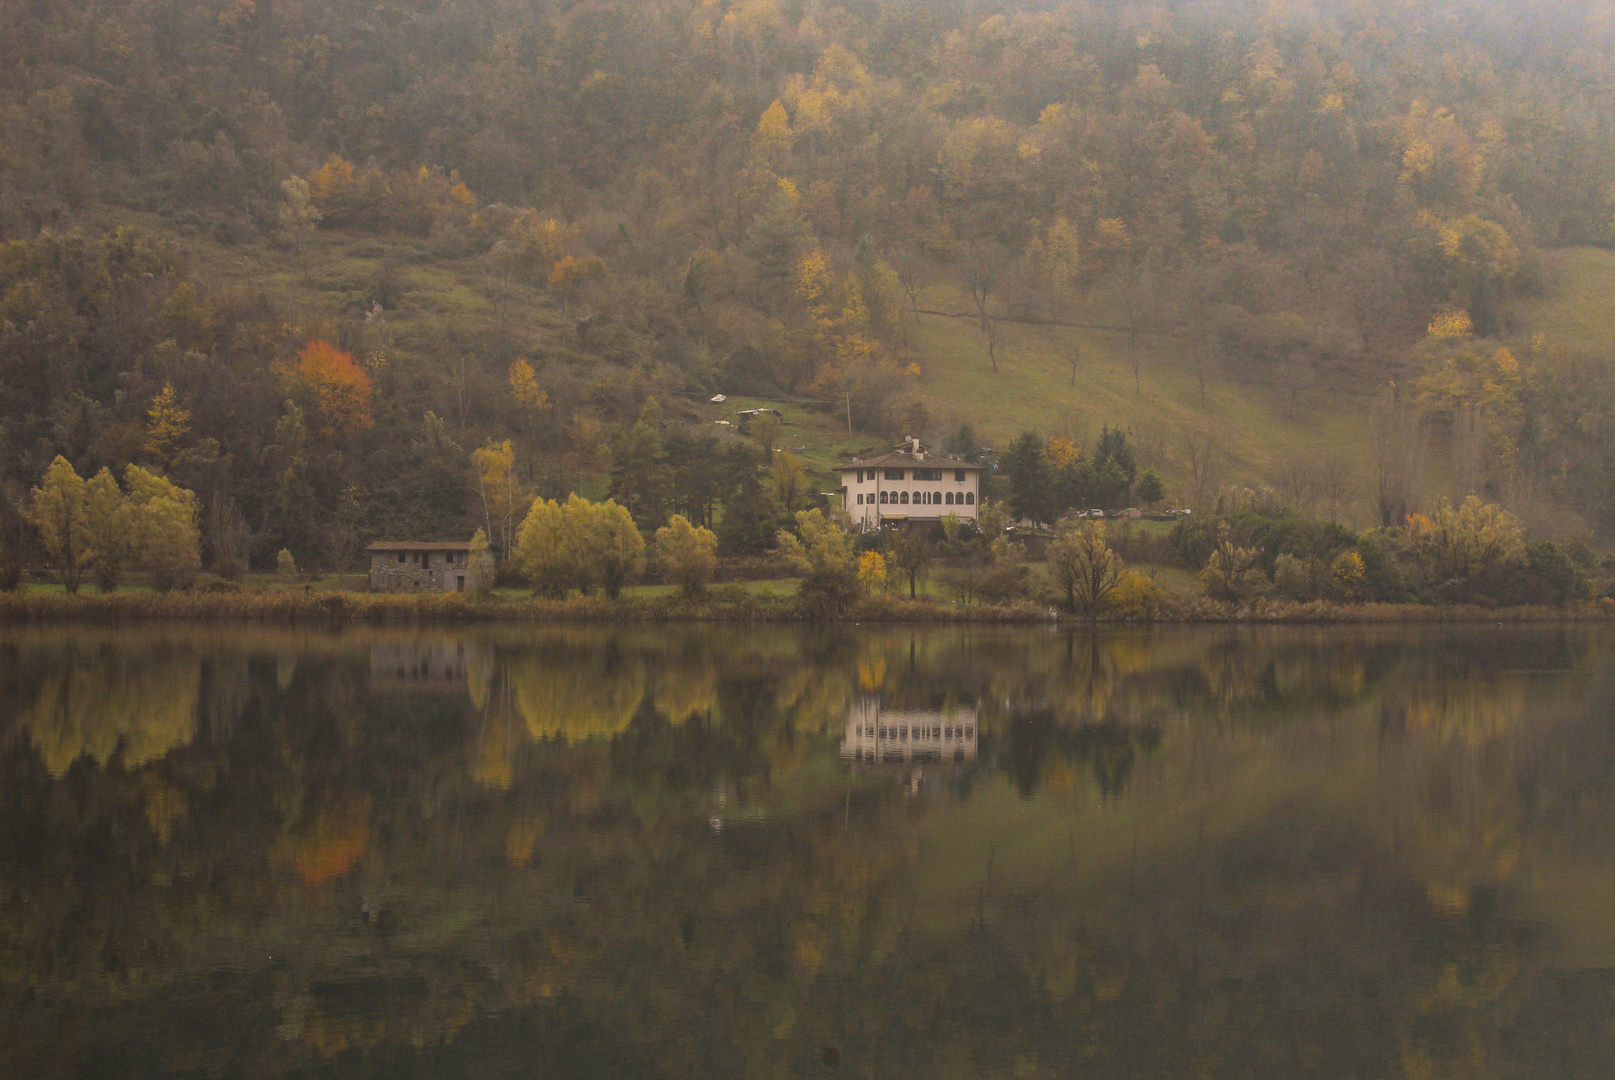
pixel 718 852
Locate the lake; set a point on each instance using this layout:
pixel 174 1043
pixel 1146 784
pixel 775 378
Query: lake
pixel 948 852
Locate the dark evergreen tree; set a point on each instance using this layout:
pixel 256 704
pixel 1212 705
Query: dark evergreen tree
pixel 748 524
pixel 641 480
pixel 1031 488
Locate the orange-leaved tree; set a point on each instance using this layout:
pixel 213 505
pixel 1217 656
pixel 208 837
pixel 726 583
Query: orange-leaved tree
pixel 339 386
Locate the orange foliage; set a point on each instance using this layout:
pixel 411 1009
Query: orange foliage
pixel 341 836
pixel 570 270
pixel 340 386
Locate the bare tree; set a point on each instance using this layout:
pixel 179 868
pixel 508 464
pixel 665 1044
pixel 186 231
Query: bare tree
pixel 1205 450
pixel 1150 440
pixel 983 269
pixel 1072 351
pixel 1398 456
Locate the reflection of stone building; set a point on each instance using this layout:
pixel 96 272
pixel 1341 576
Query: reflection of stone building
pixel 419 664
pixel 908 735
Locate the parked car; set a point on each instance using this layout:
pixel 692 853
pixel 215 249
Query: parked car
pixel 1092 514
pixel 1179 513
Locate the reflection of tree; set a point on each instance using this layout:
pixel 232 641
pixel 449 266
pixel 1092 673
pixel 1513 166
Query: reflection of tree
pixel 575 698
pixel 334 842
pixel 91 703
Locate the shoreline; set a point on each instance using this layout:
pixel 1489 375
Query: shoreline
pixel 358 608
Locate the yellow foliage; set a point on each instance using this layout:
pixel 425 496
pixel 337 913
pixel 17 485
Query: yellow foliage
pixel 168 424
pixel 1450 326
pixel 330 182
pixel 577 701
pixel 524 388
pixel 872 571
pixel 94 703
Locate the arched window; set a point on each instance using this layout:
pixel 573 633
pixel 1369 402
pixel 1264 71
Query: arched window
pixel 883 496
pixel 970 498
pixel 903 498
pixel 948 498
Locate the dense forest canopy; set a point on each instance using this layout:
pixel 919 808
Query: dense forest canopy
pixel 687 196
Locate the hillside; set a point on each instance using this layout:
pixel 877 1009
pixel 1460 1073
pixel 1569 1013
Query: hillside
pixel 308 260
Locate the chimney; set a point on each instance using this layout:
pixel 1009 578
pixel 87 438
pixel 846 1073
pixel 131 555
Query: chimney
pixel 914 447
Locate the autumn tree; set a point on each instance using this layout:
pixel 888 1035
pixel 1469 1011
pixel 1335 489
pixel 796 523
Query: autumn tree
pixel 790 481
pixel 1085 568
pixel 1468 540
pixel 579 544
pixel 168 424
pixel 338 386
pixel 1232 572
pixel 59 511
pixel 499 492
pixel 164 524
pixel 823 553
pixel 687 553
pixel 110 529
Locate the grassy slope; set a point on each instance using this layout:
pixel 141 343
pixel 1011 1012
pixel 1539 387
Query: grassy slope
pixel 1577 307
pixel 1032 389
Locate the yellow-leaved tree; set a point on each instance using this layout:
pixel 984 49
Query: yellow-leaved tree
pixel 168 424
pixel 498 490
pixel 1084 566
pixel 529 397
pixel 578 545
pixel 688 553
pixel 164 526
pixel 110 529
pixel 58 510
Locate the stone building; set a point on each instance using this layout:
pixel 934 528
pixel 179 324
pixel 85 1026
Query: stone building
pixel 429 566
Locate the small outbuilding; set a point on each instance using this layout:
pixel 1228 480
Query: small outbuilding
pixel 429 566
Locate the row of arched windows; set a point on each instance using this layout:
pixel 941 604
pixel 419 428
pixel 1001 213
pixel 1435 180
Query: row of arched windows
pixel 923 498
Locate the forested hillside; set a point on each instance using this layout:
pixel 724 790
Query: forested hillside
pixel 306 258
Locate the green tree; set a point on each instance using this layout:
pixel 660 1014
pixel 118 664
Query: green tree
pixel 1031 488
pixel 110 526
pixel 640 478
pixel 59 511
pixel 688 553
pixel 1150 489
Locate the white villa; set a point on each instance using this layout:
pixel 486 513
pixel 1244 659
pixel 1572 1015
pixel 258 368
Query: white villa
pixel 909 484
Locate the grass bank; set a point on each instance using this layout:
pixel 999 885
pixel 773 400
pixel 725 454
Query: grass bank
pixel 722 604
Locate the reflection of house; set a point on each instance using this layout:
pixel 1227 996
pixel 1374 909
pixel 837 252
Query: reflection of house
pixel 418 664
pixel 417 566
pixel 904 735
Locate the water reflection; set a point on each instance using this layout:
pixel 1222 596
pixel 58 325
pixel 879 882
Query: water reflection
pixel 909 736
pixel 1214 852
